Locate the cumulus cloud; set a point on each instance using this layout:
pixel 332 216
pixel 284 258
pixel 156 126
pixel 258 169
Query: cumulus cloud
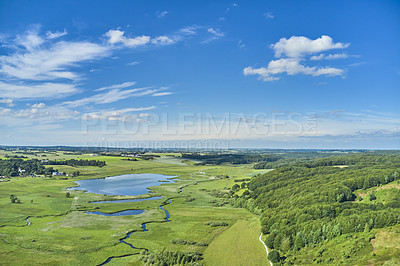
pixel 117 36
pixel 290 66
pixel 294 51
pixel 162 40
pixel 39 105
pixel 299 46
pixel 8 102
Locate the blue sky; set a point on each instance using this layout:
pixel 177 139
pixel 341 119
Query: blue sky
pixel 260 74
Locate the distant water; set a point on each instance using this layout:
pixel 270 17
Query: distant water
pixel 126 200
pixel 127 185
pixel 121 213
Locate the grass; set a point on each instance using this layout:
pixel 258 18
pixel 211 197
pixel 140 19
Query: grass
pixel 239 245
pixel 384 194
pixel 386 246
pixel 61 233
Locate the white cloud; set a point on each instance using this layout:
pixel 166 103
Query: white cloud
pixel 50 63
pixel 8 102
pixel 216 32
pixel 295 49
pixel 36 114
pixel 118 86
pixel 134 63
pixel 290 66
pixel 299 46
pixel 162 40
pixel 43 90
pixel 39 105
pixel 54 35
pixel 269 15
pixel 30 40
pixel 262 72
pixel 111 96
pixel 329 56
pixel 161 14
pixel 115 114
pixel 189 30
pixel 241 44
pixel 117 36
pixel 162 93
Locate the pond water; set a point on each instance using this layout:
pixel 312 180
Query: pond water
pixel 127 185
pixel 121 213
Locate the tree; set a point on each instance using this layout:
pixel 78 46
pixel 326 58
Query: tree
pixel 270 240
pixel 67 194
pixel 13 198
pixel 372 197
pixel 274 256
pixel 298 243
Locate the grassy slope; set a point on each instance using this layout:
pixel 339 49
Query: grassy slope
pixel 239 245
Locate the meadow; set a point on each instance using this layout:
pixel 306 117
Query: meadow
pixel 48 227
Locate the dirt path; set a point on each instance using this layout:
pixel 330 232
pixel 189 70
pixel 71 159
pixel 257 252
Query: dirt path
pixel 266 248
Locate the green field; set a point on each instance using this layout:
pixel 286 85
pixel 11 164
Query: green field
pixel 239 245
pixel 59 231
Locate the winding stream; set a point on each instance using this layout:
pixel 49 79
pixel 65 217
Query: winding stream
pixel 121 213
pixel 126 185
pixel 144 228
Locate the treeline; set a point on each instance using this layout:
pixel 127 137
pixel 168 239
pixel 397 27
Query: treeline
pixel 11 167
pixel 73 162
pixel 292 158
pixel 307 203
pixel 166 257
pixel 218 159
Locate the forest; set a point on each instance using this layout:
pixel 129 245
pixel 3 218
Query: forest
pixel 307 203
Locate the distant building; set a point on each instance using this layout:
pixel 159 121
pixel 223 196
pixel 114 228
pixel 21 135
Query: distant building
pixel 57 173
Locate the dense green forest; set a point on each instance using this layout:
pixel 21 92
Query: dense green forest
pixel 296 157
pixel 307 203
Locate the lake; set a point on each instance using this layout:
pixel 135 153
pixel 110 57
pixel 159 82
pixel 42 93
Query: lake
pixel 127 185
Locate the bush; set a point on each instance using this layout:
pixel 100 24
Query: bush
pixel 274 256
pixel 215 224
pixel 372 197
